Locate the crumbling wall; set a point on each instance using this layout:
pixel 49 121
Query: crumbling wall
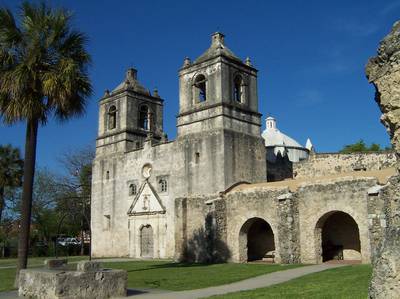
pixel 200 231
pixel 384 72
pixel 333 163
pixel 317 201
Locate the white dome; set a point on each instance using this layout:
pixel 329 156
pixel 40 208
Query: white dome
pixel 274 137
pixel 278 143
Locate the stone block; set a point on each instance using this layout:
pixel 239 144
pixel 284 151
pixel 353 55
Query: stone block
pixel 55 284
pixel 86 266
pixel 55 263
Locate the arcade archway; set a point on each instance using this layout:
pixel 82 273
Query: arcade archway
pixel 337 238
pixel 256 241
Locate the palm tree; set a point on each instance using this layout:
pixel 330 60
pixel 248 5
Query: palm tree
pixel 43 72
pixel 10 171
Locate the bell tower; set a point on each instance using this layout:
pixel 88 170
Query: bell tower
pixel 218 121
pixel 129 115
pixel 218 91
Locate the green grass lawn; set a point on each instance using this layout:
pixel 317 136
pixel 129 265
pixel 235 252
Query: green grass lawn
pixel 176 276
pixel 7 277
pixel 164 274
pixel 37 261
pixel 339 283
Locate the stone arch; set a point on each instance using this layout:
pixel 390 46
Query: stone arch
pixel 146 241
pixel 256 240
pixel 145 117
pixel 199 88
pixel 337 237
pixel 112 117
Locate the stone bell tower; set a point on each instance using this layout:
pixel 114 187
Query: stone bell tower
pixel 129 115
pixel 218 122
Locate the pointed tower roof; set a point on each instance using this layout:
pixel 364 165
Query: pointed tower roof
pixel 131 82
pixel 216 49
pixel 309 145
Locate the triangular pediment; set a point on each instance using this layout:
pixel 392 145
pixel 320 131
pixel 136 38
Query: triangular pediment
pixel 146 202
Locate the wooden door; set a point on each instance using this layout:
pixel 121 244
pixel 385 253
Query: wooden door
pixel 146 241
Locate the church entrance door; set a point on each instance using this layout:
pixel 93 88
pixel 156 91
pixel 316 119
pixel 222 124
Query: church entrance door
pixel 146 241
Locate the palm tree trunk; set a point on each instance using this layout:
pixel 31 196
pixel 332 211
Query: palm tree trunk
pixel 26 205
pixel 1 202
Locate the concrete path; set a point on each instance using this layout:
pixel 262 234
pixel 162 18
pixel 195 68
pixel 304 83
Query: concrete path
pixel 243 285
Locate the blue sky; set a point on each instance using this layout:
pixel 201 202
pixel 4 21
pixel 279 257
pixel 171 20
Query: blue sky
pixel 310 56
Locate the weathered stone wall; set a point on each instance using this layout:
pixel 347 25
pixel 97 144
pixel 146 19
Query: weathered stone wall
pixel 376 219
pixel 384 72
pixel 317 201
pixel 201 230
pixel 334 163
pixel 119 234
pixel 208 228
pixel 385 281
pixel 244 206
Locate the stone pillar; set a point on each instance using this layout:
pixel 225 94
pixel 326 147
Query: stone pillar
pixel 384 72
pixel 288 229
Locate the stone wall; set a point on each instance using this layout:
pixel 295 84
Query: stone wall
pixel 318 201
pixel 334 163
pixel 200 232
pixel 217 228
pixel 384 72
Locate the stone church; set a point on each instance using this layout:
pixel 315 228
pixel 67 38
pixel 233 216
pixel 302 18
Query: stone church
pixel 223 190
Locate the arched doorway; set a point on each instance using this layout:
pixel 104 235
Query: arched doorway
pixel 146 241
pixel 256 241
pixel 337 237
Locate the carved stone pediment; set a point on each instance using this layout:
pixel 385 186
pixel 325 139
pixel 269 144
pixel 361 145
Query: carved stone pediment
pixel 146 202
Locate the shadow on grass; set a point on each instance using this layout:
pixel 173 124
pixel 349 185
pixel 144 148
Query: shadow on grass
pixel 172 265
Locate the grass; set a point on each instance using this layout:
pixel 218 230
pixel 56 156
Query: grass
pixel 7 277
pixel 178 276
pixel 345 282
pixel 164 274
pixel 37 261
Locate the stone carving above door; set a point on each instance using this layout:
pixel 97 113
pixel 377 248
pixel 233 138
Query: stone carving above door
pixel 146 202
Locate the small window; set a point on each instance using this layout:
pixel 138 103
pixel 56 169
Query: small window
pixel 197 157
pixel 163 185
pixel 112 117
pixel 237 89
pixel 107 174
pixel 144 118
pixel 200 85
pixel 107 222
pixel 132 189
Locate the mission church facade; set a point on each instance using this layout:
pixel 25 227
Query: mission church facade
pixel 205 195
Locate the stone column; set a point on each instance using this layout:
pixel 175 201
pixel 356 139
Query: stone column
pixel 384 72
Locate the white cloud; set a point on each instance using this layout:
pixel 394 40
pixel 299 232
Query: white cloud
pixel 390 8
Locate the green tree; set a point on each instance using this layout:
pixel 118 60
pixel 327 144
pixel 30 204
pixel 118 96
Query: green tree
pixel 360 147
pixel 43 72
pixel 75 199
pixel 11 166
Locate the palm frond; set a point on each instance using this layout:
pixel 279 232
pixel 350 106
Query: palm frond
pixel 43 65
